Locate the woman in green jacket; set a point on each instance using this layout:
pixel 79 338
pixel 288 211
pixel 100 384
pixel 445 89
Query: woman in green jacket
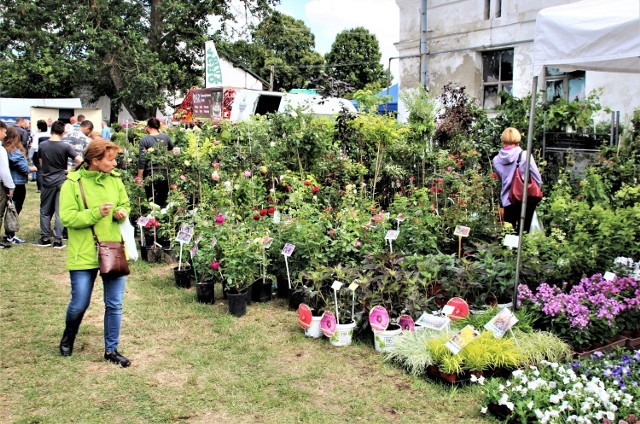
pixel 107 205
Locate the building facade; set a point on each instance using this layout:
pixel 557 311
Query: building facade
pixel 487 46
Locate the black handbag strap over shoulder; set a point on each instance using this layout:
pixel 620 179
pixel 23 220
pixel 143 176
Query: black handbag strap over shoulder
pixel 84 200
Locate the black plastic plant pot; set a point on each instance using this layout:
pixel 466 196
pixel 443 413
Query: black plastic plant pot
pixel 283 289
pixel 261 291
pixel 205 292
pixel 182 276
pixel 237 303
pixel 295 299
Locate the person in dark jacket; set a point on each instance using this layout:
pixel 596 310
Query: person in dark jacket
pixel 19 168
pixel 158 190
pixel 504 164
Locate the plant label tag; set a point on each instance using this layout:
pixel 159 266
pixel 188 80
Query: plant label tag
pixel 448 309
pixel 214 241
pixel 461 339
pixel 185 234
pixel 288 249
pixel 609 276
pixel 392 235
pixel 266 242
pixel 501 323
pixel 142 221
pixel 193 250
pixel 511 241
pixel 353 286
pixel 462 231
pixel 276 217
pixel 400 218
pixel 336 285
pixel 433 321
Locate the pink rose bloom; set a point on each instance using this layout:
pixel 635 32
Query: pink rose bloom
pixel 219 219
pixel 215 265
pixel 247 173
pixel 216 165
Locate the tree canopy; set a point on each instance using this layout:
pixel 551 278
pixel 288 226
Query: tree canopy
pixel 283 42
pixel 134 52
pixel 354 58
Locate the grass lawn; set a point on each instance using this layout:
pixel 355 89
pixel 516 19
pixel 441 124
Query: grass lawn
pixel 191 362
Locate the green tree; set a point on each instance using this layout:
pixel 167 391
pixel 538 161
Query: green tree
pixel 281 42
pixel 135 52
pixel 355 59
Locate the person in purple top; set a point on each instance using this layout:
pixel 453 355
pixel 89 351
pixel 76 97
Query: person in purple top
pixel 504 164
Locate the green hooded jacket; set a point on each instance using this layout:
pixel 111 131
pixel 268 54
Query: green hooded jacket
pixel 99 188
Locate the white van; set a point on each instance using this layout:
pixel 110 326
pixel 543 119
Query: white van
pixel 251 102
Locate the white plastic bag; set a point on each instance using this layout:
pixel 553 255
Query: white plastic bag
pixel 129 237
pixel 536 225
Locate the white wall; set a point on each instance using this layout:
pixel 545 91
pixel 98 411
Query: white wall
pixel 458 33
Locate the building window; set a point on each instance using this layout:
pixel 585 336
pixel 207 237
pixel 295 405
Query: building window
pixel 497 76
pixel 498 8
pixel 487 9
pixel 564 85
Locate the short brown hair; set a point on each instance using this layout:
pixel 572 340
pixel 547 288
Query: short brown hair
pixel 97 149
pixel 511 136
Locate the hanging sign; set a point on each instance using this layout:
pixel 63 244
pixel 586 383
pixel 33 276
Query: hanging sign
pixel 511 241
pixel 213 71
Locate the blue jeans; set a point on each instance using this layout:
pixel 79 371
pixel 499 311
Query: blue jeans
pixel 81 289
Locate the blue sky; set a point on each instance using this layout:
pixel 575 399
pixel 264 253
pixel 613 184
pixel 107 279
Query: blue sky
pixel 327 18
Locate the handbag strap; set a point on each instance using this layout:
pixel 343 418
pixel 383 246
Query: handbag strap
pixel 84 200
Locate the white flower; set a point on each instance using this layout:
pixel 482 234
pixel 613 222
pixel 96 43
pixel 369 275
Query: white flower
pixel 530 405
pixel 473 378
pixel 481 380
pixel 272 144
pixel 510 405
pixel 554 399
pixel 501 388
pixel 483 409
pixel 503 400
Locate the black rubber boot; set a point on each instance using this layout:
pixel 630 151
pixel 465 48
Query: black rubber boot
pixel 66 344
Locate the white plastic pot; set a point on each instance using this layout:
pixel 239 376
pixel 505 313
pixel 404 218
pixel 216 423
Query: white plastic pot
pixel 314 329
pixel 343 334
pixel 384 340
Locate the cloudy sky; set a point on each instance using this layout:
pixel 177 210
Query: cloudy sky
pixel 326 18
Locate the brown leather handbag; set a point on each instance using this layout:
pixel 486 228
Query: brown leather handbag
pixel 111 256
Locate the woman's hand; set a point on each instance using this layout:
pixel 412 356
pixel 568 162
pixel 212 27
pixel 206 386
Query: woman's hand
pixel 105 208
pixel 119 214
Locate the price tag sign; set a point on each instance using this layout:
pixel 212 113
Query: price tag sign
pixel 288 249
pixel 392 235
pixel 276 217
pixel 266 242
pixel 609 276
pixel 400 218
pixel 214 241
pixel 199 239
pixel 142 221
pixel 353 286
pixel 511 240
pixel 336 285
pixel 193 251
pixel 462 231
pixel 185 234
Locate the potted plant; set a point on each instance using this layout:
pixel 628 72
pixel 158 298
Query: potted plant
pixel 315 283
pixel 339 319
pixel 241 252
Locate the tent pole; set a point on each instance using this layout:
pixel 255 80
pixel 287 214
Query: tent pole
pixel 523 209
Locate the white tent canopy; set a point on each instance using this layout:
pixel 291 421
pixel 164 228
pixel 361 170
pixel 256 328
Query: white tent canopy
pixel 592 35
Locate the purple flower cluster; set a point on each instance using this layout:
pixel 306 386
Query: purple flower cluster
pixel 618 369
pixel 592 298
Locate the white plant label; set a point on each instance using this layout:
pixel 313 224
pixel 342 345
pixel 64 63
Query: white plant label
pixel 142 221
pixel 276 217
pixel 288 249
pixel 193 251
pixel 336 285
pixel 609 276
pixel 400 218
pixel 510 240
pixel 448 309
pixel 214 241
pixel 353 286
pixel 185 234
pixel 462 231
pixel 392 235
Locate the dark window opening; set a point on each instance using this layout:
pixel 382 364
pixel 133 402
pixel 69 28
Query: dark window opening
pixel 497 76
pixel 564 85
pixel 268 104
